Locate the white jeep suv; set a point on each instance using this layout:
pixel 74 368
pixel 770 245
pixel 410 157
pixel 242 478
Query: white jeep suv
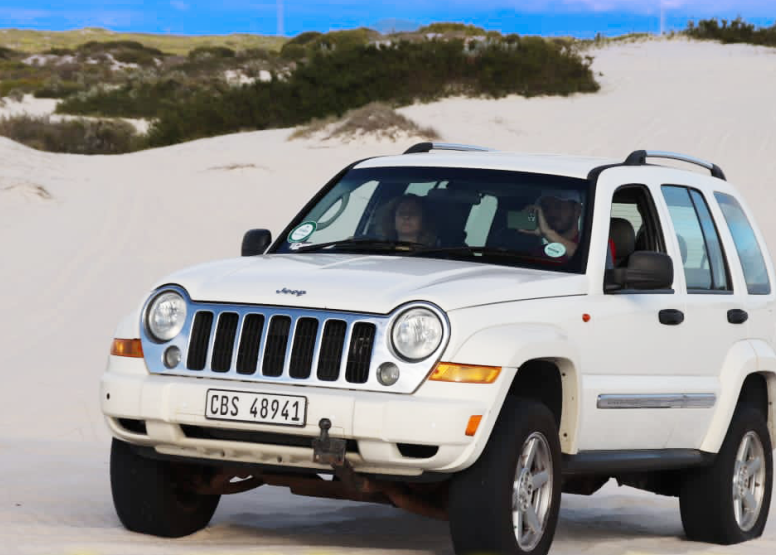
pixel 464 334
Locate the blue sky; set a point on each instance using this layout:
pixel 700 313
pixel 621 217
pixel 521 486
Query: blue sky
pixel 547 17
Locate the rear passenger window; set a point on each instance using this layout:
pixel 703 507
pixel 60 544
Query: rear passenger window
pixel 705 268
pixel 752 261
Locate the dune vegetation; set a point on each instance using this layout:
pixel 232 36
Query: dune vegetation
pixel 75 136
pixel 736 31
pixel 35 42
pixel 215 89
pixel 331 81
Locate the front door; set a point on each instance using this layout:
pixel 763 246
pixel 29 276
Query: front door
pixel 634 352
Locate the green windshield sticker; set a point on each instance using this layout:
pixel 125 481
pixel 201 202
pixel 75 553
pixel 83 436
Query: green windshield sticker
pixel 555 250
pixel 302 232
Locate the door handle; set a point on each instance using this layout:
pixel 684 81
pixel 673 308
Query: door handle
pixel 671 317
pixel 737 316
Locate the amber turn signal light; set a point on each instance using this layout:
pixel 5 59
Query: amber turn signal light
pixel 464 373
pixel 474 423
pixel 127 348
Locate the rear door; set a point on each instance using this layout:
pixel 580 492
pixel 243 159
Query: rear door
pixel 715 318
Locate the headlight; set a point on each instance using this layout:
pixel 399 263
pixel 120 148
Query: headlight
pixel 416 334
pixel 166 316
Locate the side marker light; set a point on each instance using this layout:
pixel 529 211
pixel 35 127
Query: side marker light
pixel 474 423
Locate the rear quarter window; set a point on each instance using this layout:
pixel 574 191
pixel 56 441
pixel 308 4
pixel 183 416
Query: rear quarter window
pixel 745 240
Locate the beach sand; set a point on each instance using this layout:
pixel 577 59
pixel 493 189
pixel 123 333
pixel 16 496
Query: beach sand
pixel 83 239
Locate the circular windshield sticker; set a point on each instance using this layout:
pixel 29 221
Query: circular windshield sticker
pixel 555 250
pixel 302 232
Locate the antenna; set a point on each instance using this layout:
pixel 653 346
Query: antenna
pixel 281 29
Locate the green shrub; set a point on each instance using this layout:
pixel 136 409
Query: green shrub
pixel 304 38
pixel 60 51
pixel 58 89
pixel 7 53
pixel 443 28
pixel 211 52
pixel 19 86
pixel 293 52
pixel 331 83
pixel 79 136
pixel 132 100
pixel 736 31
pixel 257 54
pixel 93 47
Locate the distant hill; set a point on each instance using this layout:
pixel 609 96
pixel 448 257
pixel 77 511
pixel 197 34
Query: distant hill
pixel 40 41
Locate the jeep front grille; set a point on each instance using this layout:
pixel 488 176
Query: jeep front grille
pixel 277 345
pixel 284 345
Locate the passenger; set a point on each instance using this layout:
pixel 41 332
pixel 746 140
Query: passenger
pixel 557 214
pixel 406 219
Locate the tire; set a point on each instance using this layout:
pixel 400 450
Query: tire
pixel 481 502
pixel 707 497
pixel 147 499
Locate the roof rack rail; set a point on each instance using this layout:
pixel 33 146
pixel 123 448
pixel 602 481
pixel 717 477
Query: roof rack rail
pixel 639 158
pixel 427 147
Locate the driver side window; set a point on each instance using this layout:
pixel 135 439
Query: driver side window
pixel 633 226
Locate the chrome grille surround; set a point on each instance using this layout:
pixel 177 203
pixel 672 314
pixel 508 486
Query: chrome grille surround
pixel 412 373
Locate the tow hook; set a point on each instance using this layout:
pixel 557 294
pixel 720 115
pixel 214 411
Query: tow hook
pixel 331 451
pixel 328 450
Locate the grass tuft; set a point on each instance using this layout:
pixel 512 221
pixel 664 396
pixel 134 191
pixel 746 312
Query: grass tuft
pixel 375 119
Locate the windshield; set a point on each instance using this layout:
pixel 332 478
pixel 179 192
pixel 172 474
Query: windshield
pixel 489 216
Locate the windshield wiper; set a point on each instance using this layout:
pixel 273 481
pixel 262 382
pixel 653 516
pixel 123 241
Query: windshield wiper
pixel 488 251
pixel 380 244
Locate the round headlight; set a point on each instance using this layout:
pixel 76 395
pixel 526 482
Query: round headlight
pixel 166 316
pixel 416 334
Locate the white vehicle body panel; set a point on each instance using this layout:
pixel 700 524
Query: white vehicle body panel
pixel 499 316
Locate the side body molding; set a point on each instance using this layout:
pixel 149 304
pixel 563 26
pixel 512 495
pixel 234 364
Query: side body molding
pixel 512 345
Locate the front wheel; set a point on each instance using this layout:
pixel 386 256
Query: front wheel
pixel 507 503
pixel 728 502
pixel 150 498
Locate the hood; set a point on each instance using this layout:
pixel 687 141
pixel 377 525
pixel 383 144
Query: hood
pixel 366 283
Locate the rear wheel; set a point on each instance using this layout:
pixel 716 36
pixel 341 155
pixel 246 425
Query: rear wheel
pixel 150 498
pixel 508 501
pixel 729 501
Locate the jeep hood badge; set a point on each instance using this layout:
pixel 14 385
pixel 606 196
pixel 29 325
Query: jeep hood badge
pixel 295 292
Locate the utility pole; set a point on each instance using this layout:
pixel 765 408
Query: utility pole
pixel 281 27
pixel 662 18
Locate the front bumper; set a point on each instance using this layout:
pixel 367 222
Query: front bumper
pixel 172 407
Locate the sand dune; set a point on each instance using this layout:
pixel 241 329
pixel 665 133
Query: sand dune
pixel 83 238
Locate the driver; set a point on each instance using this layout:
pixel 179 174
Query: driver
pixel 557 214
pixel 406 219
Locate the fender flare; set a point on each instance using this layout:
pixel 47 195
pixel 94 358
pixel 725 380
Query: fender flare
pixel 744 358
pixel 766 366
pixel 511 346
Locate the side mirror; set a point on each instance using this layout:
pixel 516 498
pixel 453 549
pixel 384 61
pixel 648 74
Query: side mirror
pixel 256 241
pixel 646 271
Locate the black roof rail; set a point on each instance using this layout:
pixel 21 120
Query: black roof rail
pixel 639 158
pixel 428 147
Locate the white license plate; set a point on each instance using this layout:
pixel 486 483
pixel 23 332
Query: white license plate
pixel 260 408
